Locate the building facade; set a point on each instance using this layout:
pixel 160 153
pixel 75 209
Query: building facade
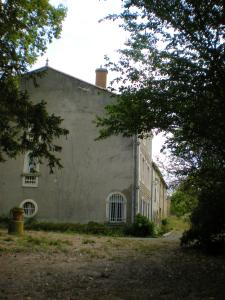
pixel 103 181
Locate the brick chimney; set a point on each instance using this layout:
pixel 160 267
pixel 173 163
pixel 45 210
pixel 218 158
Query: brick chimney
pixel 101 77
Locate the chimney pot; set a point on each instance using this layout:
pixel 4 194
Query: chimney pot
pixel 101 77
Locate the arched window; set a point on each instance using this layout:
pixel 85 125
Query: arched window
pixel 116 208
pixel 30 208
pixel 31 164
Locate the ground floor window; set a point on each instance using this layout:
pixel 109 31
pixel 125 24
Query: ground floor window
pixel 144 207
pixel 30 208
pixel 116 208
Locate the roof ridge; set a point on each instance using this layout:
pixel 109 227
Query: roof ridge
pixel 45 68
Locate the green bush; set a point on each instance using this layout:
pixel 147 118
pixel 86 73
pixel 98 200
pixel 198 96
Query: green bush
pixel 207 229
pixel 184 199
pixel 165 227
pixel 182 203
pixel 141 227
pixel 4 221
pixel 165 222
pixel 49 226
pixel 97 228
pixel 90 228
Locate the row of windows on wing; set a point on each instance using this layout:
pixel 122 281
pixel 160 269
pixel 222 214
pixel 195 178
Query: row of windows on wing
pixel 115 208
pixel 145 172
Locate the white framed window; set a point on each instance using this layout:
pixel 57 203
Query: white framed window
pixel 148 212
pixel 142 206
pixel 116 208
pixel 31 164
pixel 30 171
pixel 30 208
pixel 30 180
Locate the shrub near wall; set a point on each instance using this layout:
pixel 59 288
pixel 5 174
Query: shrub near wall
pixel 4 221
pixel 141 227
pixel 90 228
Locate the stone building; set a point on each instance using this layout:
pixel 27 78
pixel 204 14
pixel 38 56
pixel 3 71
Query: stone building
pixel 103 181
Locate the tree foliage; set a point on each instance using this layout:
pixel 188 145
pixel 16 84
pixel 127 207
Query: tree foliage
pixel 184 199
pixel 172 79
pixel 26 28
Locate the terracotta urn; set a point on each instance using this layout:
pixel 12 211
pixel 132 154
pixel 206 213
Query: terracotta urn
pixel 17 214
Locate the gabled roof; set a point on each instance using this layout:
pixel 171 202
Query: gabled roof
pixel 46 68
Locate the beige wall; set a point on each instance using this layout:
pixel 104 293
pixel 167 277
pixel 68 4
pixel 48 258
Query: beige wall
pixel 92 170
pixel 159 197
pixel 145 176
pixel 152 191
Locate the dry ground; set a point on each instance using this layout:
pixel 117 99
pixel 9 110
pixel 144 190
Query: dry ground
pixel 65 266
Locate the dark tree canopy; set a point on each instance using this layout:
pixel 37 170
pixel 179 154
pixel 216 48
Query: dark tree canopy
pixel 173 79
pixel 26 29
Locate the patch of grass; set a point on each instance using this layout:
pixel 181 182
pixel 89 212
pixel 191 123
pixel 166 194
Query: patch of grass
pixel 146 248
pixel 116 258
pixel 88 241
pixel 178 223
pixel 91 253
pixel 109 241
pixel 8 239
pixel 42 241
pixel 15 244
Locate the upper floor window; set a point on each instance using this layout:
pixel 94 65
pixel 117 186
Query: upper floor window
pixel 116 208
pixel 31 164
pixel 30 171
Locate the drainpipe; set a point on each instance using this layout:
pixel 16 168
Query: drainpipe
pixel 135 178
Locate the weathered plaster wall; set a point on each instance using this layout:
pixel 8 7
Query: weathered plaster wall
pixel 159 197
pixel 92 170
pixel 145 176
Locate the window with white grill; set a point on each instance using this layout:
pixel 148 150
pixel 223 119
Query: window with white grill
pixel 116 208
pixel 30 180
pixel 30 208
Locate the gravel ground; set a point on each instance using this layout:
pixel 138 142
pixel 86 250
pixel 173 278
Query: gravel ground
pixel 62 266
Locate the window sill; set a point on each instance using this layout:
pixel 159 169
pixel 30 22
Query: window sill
pixel 30 180
pixel 37 174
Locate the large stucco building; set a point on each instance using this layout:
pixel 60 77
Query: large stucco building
pixel 103 181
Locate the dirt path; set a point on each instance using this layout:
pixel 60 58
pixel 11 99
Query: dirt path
pixel 82 267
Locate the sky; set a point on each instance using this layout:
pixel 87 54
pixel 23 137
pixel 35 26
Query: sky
pixel 85 41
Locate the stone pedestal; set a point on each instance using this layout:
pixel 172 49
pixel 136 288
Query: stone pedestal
pixel 16 227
